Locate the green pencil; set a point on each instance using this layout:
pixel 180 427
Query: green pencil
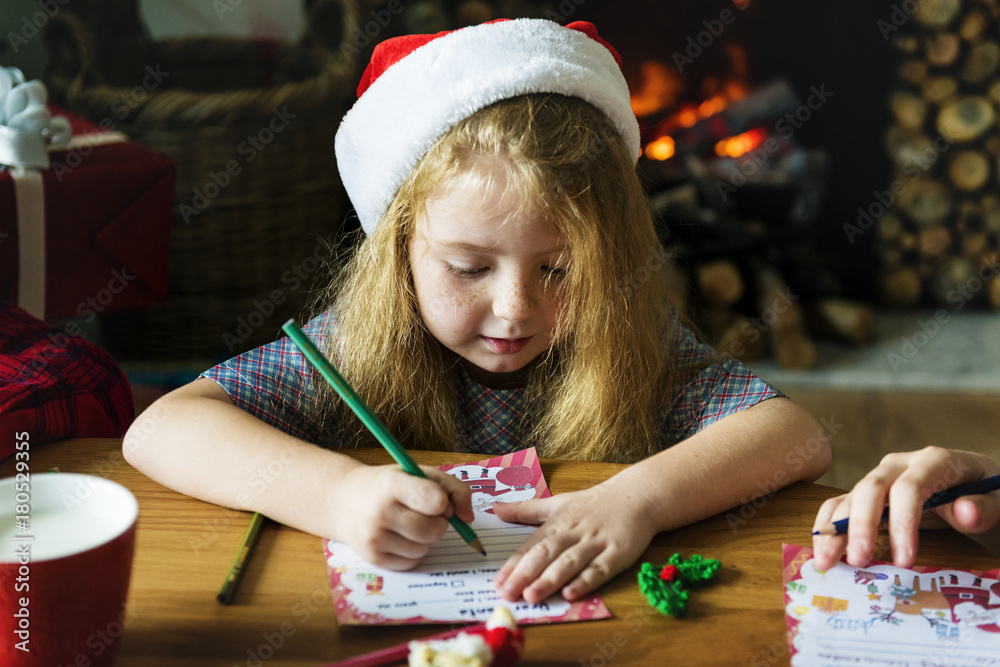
pixel 225 595
pixel 373 423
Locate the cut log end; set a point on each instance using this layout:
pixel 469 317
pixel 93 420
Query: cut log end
pixel 926 202
pixel 795 353
pixel 719 282
pixel 966 118
pixel 843 319
pixel 900 287
pixel 969 170
pixel 937 13
pixel 733 335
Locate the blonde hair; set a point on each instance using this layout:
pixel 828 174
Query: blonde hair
pixel 597 394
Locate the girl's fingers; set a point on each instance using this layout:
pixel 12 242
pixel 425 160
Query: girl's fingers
pixel 528 563
pixel 978 517
pixel 424 496
pixel 868 500
pixel 566 569
pixel 911 488
pixel 827 511
pixel 416 527
pixel 598 571
pixel 500 578
pixel 928 471
pixel 391 551
pixel 905 480
pixel 975 514
pixel 516 573
pixel 525 565
pixel 827 549
pixel 458 493
pixel 905 513
pixel 532 512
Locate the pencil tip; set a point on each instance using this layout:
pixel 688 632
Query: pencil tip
pixel 477 546
pixel 816 532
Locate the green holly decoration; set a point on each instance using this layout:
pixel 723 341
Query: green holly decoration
pixel 665 587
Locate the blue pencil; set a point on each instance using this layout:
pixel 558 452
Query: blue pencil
pixel 839 527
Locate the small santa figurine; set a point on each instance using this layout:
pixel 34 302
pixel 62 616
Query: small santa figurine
pixel 500 643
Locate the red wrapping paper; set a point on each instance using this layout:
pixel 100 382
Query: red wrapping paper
pixel 108 212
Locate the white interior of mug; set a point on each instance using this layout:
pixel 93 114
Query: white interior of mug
pixel 67 513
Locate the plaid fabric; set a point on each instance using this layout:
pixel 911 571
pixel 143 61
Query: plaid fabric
pixel 274 383
pixel 494 421
pixel 53 385
pixel 712 388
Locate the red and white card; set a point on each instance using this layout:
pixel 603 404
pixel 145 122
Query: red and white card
pixel 453 583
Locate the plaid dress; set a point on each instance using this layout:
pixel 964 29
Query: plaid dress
pixel 274 383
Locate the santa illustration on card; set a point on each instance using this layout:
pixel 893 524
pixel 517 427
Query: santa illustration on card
pixel 489 485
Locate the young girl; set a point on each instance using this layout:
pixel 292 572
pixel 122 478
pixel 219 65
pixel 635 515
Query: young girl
pixel 905 480
pixel 510 292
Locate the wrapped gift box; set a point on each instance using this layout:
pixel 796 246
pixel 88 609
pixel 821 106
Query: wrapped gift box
pixel 107 215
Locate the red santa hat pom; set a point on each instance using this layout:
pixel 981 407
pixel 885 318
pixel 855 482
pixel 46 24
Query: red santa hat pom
pixel 416 87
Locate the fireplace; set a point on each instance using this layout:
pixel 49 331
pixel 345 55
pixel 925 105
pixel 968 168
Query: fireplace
pixel 763 126
pixel 789 148
pixel 898 97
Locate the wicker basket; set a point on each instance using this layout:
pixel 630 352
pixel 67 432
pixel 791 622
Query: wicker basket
pixel 251 126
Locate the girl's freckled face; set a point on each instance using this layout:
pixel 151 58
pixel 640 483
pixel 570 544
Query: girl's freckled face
pixel 486 283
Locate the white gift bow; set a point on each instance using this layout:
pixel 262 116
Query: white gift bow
pixel 27 131
pixel 27 128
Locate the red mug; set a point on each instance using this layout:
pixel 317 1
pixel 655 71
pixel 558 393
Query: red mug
pixel 66 546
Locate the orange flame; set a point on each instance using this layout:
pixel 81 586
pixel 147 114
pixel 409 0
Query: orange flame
pixel 686 117
pixel 661 149
pixel 711 106
pixel 658 89
pixel 741 143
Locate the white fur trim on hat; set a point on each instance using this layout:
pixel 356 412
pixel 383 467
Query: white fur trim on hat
pixel 417 99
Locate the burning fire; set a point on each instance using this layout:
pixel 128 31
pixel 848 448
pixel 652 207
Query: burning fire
pixel 660 149
pixel 663 147
pixel 658 90
pixel 741 143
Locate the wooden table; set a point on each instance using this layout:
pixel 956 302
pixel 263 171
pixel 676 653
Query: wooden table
pixel 283 611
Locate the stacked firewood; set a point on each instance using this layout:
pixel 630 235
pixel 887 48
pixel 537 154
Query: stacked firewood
pixel 940 230
pixel 754 289
pixel 741 229
pixel 783 324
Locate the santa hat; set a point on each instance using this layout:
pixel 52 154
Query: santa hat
pixel 416 87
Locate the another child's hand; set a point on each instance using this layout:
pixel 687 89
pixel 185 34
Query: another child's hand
pixel 391 518
pixel 586 538
pixel 904 481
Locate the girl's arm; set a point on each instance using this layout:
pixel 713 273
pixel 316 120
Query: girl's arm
pixel 905 480
pixel 196 441
pixel 589 536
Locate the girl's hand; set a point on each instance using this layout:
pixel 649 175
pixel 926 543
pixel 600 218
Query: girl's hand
pixel 904 481
pixel 586 538
pixel 390 518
